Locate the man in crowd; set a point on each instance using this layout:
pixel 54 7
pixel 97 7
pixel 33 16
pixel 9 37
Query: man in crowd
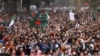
pixel 61 36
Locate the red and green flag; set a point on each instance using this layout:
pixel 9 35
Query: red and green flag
pixel 38 20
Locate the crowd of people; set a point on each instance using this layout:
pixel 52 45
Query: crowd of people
pixel 62 37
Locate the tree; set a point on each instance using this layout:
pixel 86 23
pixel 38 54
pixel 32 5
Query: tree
pixel 26 4
pixel 36 2
pixel 10 6
pixel 94 3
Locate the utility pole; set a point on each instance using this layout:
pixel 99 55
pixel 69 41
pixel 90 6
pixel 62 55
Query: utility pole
pixel 78 6
pixel 21 5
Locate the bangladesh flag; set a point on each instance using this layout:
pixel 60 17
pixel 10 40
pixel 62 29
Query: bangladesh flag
pixel 38 21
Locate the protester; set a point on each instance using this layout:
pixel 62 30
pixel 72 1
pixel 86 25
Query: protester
pixel 61 37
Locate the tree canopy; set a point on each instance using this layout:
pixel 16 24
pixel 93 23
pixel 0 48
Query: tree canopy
pixel 94 3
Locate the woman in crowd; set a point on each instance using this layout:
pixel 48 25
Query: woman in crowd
pixel 62 37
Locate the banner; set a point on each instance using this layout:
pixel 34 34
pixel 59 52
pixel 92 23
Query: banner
pixel 71 16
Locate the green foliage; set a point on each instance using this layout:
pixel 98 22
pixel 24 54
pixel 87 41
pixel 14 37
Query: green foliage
pixel 12 1
pixel 94 3
pixel 38 2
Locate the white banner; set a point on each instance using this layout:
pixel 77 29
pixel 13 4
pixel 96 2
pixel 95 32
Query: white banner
pixel 71 16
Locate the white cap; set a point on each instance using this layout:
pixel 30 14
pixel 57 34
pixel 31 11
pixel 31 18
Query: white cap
pixel 91 45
